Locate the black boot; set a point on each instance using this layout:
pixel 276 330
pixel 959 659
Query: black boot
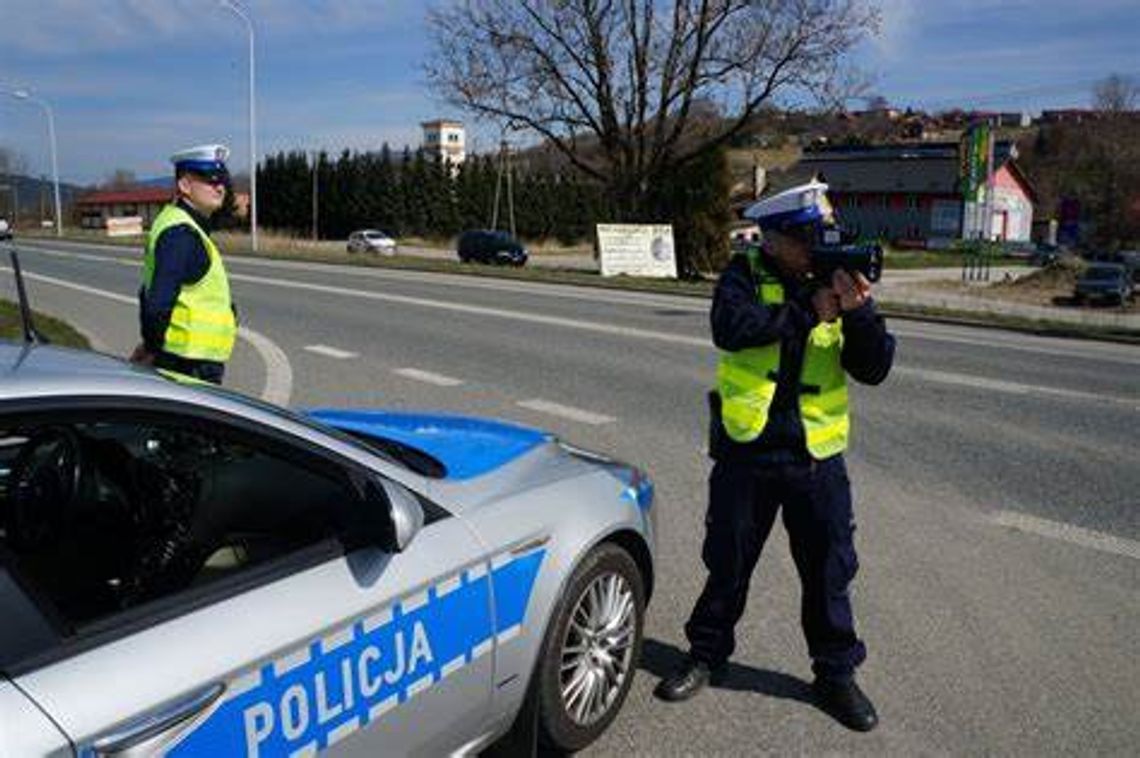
pixel 846 703
pixel 688 680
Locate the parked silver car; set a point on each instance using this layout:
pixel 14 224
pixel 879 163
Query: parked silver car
pixel 371 241
pixel 188 571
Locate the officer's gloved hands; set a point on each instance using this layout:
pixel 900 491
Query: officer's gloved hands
pixel 851 293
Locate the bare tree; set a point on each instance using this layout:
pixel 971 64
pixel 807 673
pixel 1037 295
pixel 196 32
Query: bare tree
pixel 629 91
pixel 1115 94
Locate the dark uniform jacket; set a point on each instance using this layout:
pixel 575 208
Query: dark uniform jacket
pixel 739 321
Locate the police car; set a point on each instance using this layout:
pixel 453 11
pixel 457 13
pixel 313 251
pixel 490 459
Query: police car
pixel 188 571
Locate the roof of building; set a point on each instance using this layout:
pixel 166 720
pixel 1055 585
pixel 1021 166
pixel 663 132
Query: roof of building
pixel 139 195
pixel 441 122
pixel 919 168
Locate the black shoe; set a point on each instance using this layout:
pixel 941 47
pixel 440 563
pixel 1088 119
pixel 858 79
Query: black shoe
pixel 846 703
pixel 688 680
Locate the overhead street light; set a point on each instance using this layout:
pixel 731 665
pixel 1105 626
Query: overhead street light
pixel 23 94
pixel 231 5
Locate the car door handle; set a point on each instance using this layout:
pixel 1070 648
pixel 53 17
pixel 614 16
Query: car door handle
pixel 145 734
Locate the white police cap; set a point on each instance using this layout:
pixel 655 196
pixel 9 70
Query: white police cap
pixel 804 205
pixel 201 159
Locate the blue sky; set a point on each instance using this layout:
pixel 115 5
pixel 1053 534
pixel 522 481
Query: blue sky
pixel 132 80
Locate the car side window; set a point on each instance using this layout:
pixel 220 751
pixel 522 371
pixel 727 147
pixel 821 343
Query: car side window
pixel 102 516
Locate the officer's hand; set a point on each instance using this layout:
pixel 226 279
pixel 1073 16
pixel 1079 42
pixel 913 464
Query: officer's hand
pixel 825 303
pixel 851 292
pixel 141 355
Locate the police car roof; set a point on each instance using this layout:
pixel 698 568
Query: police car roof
pixel 43 371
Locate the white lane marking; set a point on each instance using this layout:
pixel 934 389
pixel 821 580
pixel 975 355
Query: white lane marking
pixel 1057 347
pixel 427 376
pixel 477 310
pixel 331 352
pixel 278 372
pixel 1015 388
pixel 566 411
pixel 1106 543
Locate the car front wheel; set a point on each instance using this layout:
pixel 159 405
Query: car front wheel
pixel 591 650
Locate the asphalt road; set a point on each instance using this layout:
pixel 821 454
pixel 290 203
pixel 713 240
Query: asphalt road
pixel 996 475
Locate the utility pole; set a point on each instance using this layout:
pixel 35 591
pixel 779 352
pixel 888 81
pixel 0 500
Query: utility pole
pixel 504 168
pixel 316 169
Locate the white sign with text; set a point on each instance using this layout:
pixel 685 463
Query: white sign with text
pixel 637 250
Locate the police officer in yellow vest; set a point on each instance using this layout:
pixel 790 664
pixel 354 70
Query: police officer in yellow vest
pixel 779 427
pixel 187 318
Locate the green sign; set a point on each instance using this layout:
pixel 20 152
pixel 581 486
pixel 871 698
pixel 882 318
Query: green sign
pixel 973 152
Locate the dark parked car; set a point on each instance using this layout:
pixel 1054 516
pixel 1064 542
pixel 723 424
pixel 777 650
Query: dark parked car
pixel 1104 281
pixel 490 246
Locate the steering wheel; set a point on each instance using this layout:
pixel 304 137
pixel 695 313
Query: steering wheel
pixel 44 487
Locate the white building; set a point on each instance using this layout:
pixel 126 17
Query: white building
pixel 446 139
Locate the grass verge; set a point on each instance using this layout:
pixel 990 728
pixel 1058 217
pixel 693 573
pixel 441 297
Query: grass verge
pixel 57 332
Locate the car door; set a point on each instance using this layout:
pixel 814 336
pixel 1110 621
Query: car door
pixel 24 729
pixel 290 637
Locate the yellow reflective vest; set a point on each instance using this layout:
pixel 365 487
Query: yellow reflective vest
pixel 746 381
pixel 202 325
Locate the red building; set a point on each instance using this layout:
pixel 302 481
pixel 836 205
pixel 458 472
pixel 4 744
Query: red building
pixel 96 208
pixel 913 194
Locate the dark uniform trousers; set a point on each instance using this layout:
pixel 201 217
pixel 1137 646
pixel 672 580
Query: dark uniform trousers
pixel 816 501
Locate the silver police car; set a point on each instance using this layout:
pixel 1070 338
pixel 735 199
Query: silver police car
pixel 188 571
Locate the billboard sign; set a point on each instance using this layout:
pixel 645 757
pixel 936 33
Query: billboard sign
pixel 637 250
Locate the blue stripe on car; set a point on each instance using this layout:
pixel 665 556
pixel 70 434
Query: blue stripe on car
pixel 319 693
pixel 468 447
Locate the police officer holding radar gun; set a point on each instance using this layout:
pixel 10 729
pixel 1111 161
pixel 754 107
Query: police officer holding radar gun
pixel 792 319
pixel 187 318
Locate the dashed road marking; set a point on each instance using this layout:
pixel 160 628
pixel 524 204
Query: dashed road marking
pixel 1106 543
pixel 427 376
pixel 331 352
pixel 1013 388
pixel 566 411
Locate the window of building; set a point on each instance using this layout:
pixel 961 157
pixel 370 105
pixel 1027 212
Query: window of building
pixel 453 138
pixel 912 202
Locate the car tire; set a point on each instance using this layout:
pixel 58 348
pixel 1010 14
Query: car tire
pixel 575 707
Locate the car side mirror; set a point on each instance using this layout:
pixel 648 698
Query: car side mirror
pixel 405 515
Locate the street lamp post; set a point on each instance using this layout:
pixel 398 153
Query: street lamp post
pixel 23 94
pixel 237 10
